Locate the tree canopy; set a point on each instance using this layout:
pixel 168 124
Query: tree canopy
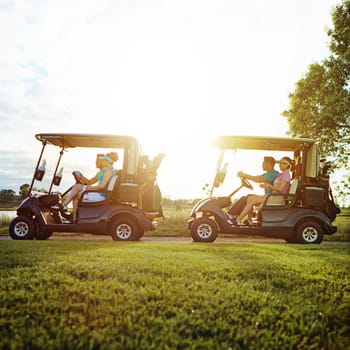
pixel 7 195
pixel 320 105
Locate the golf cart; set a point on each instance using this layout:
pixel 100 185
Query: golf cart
pixel 128 208
pixel 303 215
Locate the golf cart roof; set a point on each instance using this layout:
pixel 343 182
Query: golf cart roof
pixel 87 140
pixel 262 143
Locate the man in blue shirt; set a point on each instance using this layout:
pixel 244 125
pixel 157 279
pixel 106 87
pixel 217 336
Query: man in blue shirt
pixel 268 176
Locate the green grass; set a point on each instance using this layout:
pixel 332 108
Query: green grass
pixel 343 224
pixel 109 295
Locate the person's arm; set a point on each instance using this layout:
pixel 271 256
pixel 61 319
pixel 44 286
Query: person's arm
pixel 84 180
pixel 252 177
pixel 107 176
pixel 273 188
pixel 90 181
pixel 280 183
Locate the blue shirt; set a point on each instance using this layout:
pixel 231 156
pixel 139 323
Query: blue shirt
pixel 100 175
pixel 270 176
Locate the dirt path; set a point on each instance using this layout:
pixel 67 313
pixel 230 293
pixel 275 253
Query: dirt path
pixel 160 239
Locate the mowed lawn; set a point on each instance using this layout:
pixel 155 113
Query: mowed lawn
pixel 144 295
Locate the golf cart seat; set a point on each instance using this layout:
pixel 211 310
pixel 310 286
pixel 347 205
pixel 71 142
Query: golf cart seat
pixel 283 199
pixel 276 200
pixel 110 193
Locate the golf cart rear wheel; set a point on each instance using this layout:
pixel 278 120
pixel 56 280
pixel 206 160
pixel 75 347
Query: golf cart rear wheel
pixel 309 232
pixel 124 229
pixel 22 227
pixel 204 230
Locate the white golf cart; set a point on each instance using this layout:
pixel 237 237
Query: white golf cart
pixel 128 209
pixel 303 215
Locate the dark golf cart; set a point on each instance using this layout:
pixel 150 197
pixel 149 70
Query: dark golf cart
pixel 303 215
pixel 130 204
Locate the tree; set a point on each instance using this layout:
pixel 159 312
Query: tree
pixel 320 105
pixel 7 195
pixel 24 190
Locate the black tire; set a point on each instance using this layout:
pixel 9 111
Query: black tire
pixel 309 232
pixel 42 235
pixel 22 227
pixel 204 230
pixel 124 229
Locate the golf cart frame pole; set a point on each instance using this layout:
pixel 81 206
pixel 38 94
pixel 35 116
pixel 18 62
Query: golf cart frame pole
pixel 44 143
pixel 57 165
pixel 218 167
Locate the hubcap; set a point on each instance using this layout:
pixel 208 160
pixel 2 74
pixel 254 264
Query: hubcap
pixel 123 231
pixel 21 229
pixel 204 231
pixel 310 234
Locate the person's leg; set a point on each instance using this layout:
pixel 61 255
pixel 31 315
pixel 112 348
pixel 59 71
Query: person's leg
pixel 75 191
pixel 251 200
pixel 75 208
pixel 238 206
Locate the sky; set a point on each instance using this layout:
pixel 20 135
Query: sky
pixel 172 73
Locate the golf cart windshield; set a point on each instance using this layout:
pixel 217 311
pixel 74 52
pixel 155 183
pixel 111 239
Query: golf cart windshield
pixel 128 148
pixel 129 143
pixel 303 150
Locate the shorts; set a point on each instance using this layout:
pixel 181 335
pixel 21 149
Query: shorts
pixel 94 197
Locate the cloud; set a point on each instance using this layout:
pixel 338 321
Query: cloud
pixel 17 168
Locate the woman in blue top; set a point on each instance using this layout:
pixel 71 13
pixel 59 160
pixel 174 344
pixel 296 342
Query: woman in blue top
pixel 104 163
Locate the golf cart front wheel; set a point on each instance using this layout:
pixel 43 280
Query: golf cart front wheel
pixel 204 230
pixel 22 227
pixel 309 232
pixel 41 236
pixel 124 229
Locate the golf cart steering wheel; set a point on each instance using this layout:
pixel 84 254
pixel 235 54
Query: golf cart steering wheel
pixel 77 178
pixel 246 183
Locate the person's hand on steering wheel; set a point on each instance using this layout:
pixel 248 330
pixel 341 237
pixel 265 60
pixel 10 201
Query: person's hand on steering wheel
pixel 244 180
pixel 77 177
